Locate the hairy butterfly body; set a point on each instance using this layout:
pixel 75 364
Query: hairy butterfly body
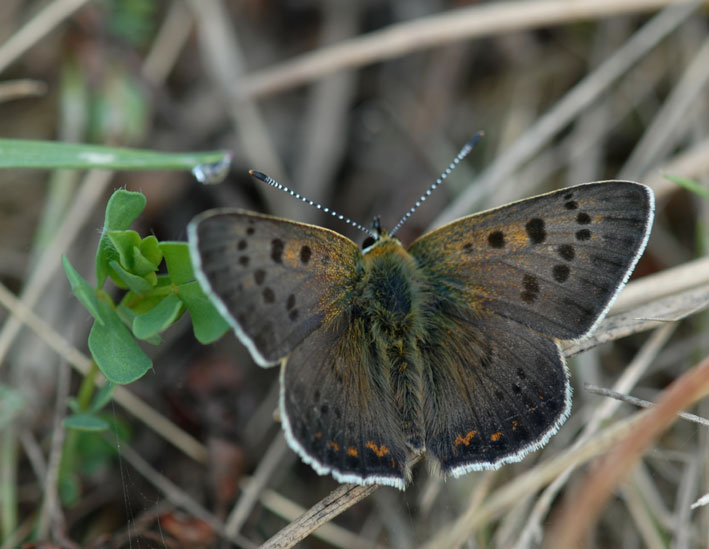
pixel 448 347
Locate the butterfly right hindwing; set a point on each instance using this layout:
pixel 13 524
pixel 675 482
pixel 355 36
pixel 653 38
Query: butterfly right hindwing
pixel 494 390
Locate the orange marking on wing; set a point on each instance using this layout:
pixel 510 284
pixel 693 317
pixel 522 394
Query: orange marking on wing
pixel 352 451
pixel 541 397
pixel 318 435
pixel 515 237
pixel 465 439
pixel 496 436
pixel 379 450
pixel 335 446
pixel 515 424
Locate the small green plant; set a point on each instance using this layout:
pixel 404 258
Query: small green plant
pixel 151 304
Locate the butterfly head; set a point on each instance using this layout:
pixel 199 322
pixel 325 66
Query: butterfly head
pixel 379 239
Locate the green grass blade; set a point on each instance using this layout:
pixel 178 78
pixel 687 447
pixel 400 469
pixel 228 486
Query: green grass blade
pixel 22 153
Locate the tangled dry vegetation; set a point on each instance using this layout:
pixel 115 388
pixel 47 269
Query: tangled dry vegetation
pixel 357 105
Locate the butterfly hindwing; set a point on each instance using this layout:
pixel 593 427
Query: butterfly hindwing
pixel 553 262
pixel 336 410
pixel 494 390
pixel 275 281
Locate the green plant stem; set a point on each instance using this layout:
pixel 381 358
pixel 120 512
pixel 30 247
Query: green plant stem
pixel 86 390
pixel 8 480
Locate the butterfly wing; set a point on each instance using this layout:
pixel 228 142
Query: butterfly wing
pixel 336 410
pixel 554 262
pixel 275 281
pixel 507 283
pixel 494 390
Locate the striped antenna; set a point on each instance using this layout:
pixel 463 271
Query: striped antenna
pixel 462 154
pixel 267 179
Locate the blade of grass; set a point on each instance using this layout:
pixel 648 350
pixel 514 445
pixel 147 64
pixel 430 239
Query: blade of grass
pixel 21 153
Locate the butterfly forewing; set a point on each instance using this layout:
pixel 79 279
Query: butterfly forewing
pixel 554 262
pixel 275 281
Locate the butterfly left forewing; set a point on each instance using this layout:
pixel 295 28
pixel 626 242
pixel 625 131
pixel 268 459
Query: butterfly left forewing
pixel 275 281
pixel 553 262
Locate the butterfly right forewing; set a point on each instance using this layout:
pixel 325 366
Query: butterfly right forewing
pixel 553 262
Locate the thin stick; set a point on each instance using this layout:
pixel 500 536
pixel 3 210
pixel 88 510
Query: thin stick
pixel 36 29
pixel 635 401
pixel 568 108
pixel 431 31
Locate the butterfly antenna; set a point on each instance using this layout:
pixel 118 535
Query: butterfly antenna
pixel 460 156
pixel 267 179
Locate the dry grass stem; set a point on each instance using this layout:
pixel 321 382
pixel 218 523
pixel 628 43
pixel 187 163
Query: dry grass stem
pixel 691 274
pixel 568 108
pixel 340 499
pixel 225 61
pixel 631 374
pixel 328 532
pixel 91 191
pixel 663 133
pixel 643 318
pixel 581 511
pixel 18 89
pixel 176 495
pixel 37 28
pixel 432 31
pixel 254 488
pixel 640 402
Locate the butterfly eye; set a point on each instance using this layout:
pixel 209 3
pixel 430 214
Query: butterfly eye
pixel 368 242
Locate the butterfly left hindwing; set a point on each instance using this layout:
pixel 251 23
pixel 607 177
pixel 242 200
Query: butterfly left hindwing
pixel 337 409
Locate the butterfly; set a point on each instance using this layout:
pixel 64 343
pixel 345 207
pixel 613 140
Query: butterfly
pixel 447 347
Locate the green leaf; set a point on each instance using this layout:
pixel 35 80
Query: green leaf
pixel 85 422
pixel 150 250
pixel 22 153
pixel 159 318
pixel 691 185
pixel 103 397
pixel 128 316
pixel 179 264
pixel 207 323
pixel 142 266
pixel 114 349
pixel 82 289
pixel 136 283
pixel 122 209
pixel 124 243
